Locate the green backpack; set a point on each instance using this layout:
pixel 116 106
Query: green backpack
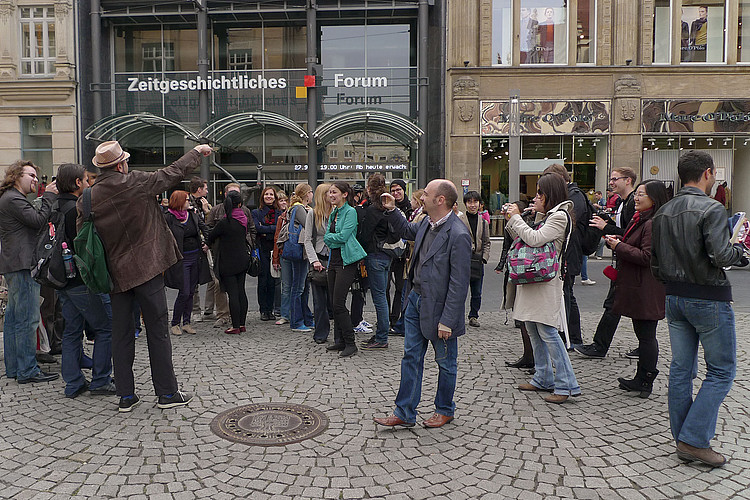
pixel 89 252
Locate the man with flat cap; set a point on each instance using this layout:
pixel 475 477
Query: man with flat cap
pixel 139 248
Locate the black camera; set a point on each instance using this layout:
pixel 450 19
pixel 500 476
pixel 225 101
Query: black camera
pixel 606 216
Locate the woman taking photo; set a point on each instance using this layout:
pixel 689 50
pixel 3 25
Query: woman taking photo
pixel 638 295
pixel 188 231
pixel 300 315
pixel 317 254
pixel 539 305
pixel 264 219
pixel 343 263
pixel 232 259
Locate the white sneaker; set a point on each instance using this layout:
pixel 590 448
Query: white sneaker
pixel 365 324
pixel 588 282
pixel 362 329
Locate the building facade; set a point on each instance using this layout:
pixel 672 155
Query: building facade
pixel 599 84
pixel 274 86
pixel 38 111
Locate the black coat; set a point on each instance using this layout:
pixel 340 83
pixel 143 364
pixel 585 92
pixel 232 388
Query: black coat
pixel 573 253
pixel 232 257
pixel 174 276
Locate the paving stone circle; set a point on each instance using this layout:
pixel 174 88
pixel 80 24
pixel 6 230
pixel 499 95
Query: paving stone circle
pixel 270 424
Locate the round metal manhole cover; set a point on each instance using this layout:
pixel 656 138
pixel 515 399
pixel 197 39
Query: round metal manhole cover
pixel 270 424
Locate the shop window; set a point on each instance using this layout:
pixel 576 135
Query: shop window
pixel 38 41
pixel 661 53
pixel 585 31
pixel 36 142
pixel 743 32
pixel 502 32
pixel 702 33
pixel 544 27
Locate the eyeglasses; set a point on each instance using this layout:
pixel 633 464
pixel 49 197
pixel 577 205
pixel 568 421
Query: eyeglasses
pixel 615 179
pixel 33 176
pixel 639 195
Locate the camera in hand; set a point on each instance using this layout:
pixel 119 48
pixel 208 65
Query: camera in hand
pixel 605 215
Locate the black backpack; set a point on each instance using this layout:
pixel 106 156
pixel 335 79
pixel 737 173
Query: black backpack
pixel 49 269
pixel 589 236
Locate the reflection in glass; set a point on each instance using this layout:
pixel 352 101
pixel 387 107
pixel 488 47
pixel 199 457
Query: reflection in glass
pixel 143 50
pixel 546 27
pixel 366 148
pixel 661 32
pixel 502 15
pixel 285 47
pixel 703 23
pixel 585 32
pixel 743 32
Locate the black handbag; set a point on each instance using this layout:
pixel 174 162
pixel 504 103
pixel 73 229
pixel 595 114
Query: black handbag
pixel 254 268
pixel 319 278
pixel 476 268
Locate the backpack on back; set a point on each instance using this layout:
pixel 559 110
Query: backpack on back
pixel 49 269
pixel 589 236
pixel 90 256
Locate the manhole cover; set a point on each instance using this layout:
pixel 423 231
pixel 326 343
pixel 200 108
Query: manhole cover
pixel 269 424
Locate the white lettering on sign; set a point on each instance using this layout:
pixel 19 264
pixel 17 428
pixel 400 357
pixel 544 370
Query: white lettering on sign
pixel 237 82
pixel 359 81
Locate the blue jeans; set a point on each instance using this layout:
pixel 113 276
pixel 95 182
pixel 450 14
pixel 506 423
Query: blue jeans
pixel 711 323
pixel 299 310
pixel 378 269
pixel 475 286
pixel 399 326
pixel 412 367
pixel 550 351
pixel 585 268
pixel 21 322
pixel 79 308
pixel 286 287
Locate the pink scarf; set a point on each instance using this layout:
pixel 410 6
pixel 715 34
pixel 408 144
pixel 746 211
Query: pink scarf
pixel 239 215
pixel 181 215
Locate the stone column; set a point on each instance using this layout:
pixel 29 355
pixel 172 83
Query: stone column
pixel 626 32
pixel 626 124
pixel 463 38
pixel 8 40
pixel 64 45
pixel 647 32
pixel 464 161
pixel 604 33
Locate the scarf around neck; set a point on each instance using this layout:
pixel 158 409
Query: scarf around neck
pixel 239 215
pixel 181 215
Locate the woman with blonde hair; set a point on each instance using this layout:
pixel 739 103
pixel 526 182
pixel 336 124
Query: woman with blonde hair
pixel 317 253
pixel 295 271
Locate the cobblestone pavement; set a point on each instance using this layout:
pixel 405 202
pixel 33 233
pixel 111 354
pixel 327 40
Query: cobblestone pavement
pixel 502 444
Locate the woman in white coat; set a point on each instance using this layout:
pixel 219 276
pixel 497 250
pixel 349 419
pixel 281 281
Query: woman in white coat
pixel 539 305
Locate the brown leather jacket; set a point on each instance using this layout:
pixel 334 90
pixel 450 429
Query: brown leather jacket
pixel 131 224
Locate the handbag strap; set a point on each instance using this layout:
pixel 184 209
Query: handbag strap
pixel 563 260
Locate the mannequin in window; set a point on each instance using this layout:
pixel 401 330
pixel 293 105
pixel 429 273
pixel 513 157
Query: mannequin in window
pixel 529 37
pixel 699 35
pixel 547 36
pixel 685 40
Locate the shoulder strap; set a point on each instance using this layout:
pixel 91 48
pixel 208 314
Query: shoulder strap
pixel 86 203
pixel 563 260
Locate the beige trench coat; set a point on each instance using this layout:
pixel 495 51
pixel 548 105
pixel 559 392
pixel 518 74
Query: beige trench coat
pixel 541 302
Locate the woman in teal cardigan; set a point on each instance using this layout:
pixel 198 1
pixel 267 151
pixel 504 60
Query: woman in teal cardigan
pixel 343 264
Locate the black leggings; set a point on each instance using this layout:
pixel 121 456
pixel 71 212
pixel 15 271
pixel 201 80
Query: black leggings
pixel 234 285
pixel 648 347
pixel 340 279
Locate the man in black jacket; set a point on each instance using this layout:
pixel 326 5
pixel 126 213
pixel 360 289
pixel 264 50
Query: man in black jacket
pixel 690 248
pixel 81 307
pixel 573 254
pixel 622 182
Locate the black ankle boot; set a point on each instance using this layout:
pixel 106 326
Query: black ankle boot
pixel 521 363
pixel 349 350
pixel 643 382
pixel 335 347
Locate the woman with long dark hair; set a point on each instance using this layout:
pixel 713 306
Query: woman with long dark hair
pixel 539 305
pixel 638 295
pixel 232 259
pixel 343 263
pixel 264 218
pixel 188 231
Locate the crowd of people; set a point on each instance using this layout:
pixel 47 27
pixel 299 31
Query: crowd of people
pixel 418 256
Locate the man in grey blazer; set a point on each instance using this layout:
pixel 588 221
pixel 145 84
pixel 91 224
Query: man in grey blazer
pixel 438 282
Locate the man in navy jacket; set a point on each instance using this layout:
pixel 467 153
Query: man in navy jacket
pixel 438 282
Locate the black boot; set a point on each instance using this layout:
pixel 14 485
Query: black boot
pixel 643 382
pixel 349 350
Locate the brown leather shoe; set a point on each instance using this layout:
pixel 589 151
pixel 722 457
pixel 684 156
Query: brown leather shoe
pixel 707 456
pixel 392 421
pixel 436 420
pixel 557 399
pixel 523 386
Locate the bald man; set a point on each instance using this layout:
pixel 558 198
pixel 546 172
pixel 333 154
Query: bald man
pixel 436 289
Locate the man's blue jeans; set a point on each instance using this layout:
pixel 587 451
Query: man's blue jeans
pixel 378 269
pixel 412 367
pixel 299 308
pixel 21 322
pixel 79 308
pixel 475 286
pixel 711 323
pixel 549 350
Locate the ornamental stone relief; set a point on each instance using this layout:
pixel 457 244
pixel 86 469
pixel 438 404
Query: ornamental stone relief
pixel 465 87
pixel 627 85
pixel 628 109
pixel 7 7
pixel 466 111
